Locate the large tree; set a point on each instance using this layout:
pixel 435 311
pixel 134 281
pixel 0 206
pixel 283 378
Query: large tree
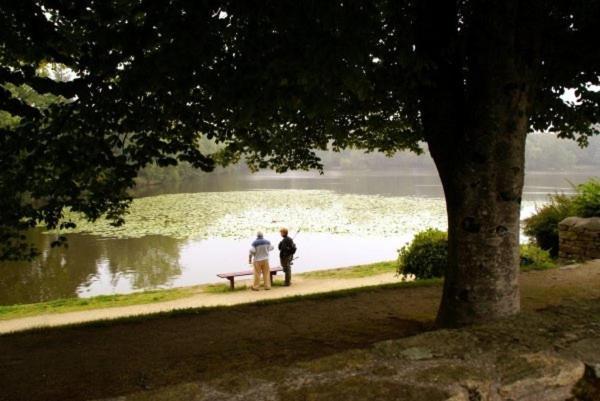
pixel 273 81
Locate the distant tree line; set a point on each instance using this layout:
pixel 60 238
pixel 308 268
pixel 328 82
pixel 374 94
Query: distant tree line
pixel 544 152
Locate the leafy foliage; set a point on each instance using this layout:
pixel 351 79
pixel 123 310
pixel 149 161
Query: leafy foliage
pixel 587 201
pixel 141 83
pixel 426 256
pixel 534 258
pixel 543 225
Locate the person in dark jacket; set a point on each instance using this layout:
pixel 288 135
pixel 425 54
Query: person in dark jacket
pixel 287 248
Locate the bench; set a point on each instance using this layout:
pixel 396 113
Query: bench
pixel 231 276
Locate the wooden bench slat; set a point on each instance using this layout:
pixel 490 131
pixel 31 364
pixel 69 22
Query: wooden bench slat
pixel 245 273
pixel 231 276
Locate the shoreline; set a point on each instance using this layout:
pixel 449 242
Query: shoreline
pixel 318 283
pixel 57 312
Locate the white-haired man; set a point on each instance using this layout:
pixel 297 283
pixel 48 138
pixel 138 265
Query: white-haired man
pixel 259 251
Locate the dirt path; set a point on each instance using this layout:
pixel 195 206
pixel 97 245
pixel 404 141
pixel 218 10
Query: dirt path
pixel 301 286
pixel 101 361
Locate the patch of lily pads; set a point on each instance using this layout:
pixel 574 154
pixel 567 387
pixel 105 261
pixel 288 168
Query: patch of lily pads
pixel 238 214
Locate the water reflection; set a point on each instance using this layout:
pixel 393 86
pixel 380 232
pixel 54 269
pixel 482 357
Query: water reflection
pixel 408 183
pixel 57 273
pixel 149 262
pixel 90 265
pixel 412 182
pixel 168 263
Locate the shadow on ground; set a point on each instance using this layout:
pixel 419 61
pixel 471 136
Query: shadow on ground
pixel 101 361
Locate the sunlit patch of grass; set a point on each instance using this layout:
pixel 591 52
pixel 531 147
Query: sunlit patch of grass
pixel 355 271
pixel 224 288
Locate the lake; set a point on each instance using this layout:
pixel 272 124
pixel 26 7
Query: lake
pixel 184 234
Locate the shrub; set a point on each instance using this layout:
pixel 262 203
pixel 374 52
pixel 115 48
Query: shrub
pixel 426 256
pixel 535 258
pixel 587 201
pixel 542 227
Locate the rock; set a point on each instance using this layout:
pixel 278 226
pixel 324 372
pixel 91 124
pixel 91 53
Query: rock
pixel 416 354
pixel 579 238
pixel 539 377
pixel 581 223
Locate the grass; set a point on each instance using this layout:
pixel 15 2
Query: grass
pixel 540 266
pixel 223 288
pixel 147 297
pixel 355 271
pixel 275 301
pixel 102 301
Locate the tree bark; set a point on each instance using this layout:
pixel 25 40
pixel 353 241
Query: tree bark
pixel 475 121
pixel 483 198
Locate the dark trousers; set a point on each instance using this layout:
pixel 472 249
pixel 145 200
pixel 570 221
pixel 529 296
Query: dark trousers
pixel 286 265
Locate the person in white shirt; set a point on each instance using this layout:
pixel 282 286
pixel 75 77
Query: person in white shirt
pixel 260 253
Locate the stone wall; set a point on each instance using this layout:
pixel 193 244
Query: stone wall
pixel 579 238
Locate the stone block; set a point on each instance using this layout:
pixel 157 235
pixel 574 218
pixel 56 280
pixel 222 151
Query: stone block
pixel 579 238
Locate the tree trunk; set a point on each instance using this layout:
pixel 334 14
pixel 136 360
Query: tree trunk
pixel 483 197
pixel 475 121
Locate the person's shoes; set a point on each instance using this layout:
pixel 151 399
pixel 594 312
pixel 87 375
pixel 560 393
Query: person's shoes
pixel 254 289
pixel 268 288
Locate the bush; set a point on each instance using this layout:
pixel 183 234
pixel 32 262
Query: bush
pixel 534 258
pixel 542 227
pixel 426 256
pixel 587 201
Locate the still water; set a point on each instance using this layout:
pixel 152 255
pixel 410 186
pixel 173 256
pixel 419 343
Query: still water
pixel 105 264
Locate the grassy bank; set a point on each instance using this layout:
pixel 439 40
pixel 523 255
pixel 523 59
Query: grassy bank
pixel 102 301
pixel 147 297
pixel 204 310
pixel 355 271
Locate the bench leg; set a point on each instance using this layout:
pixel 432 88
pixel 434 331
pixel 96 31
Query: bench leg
pixel 231 283
pixel 271 275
